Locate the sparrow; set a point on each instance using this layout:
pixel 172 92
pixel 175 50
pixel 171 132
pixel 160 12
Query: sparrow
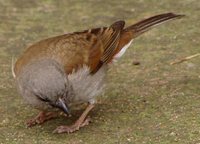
pixel 56 73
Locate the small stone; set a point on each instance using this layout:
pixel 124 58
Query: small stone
pixel 172 134
pixel 128 139
pixel 136 63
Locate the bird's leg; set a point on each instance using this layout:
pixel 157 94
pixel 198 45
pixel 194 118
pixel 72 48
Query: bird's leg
pixel 41 118
pixel 81 122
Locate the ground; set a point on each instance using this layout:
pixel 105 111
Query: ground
pixel 153 102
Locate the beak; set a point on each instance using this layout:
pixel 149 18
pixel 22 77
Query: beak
pixel 63 106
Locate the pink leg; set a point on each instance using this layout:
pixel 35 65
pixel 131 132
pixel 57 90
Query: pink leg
pixel 41 118
pixel 81 122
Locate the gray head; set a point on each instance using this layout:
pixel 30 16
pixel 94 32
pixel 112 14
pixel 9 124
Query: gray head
pixel 44 85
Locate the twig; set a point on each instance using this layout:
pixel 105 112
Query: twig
pixel 185 59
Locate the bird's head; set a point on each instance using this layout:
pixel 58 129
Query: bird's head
pixel 44 85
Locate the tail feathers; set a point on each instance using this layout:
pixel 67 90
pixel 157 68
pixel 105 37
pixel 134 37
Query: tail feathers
pixel 151 22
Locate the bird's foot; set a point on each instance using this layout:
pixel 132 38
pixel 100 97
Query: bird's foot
pixel 72 128
pixel 41 118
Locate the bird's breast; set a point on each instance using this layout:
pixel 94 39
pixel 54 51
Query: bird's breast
pixel 87 86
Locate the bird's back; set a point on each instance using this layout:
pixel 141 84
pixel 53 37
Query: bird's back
pixel 93 47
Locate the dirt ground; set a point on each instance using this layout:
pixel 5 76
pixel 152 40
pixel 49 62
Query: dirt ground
pixel 150 103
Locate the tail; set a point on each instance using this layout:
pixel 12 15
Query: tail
pixel 151 22
pixel 133 31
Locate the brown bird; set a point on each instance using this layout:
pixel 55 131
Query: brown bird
pixel 58 72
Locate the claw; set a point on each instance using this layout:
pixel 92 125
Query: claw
pixel 72 128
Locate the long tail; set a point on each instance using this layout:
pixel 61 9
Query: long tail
pixel 151 22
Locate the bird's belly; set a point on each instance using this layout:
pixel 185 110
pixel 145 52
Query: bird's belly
pixel 87 87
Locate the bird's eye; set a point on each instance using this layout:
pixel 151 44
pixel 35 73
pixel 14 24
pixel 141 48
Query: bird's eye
pixel 44 99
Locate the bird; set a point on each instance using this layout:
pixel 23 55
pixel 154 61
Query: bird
pixel 56 73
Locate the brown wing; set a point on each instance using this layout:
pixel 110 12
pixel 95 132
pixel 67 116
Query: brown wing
pixel 93 47
pixel 109 39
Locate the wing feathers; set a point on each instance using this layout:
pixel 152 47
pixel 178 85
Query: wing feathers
pixel 110 39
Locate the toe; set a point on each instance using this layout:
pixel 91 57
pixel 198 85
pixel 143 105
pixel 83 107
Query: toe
pixel 72 128
pixel 62 129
